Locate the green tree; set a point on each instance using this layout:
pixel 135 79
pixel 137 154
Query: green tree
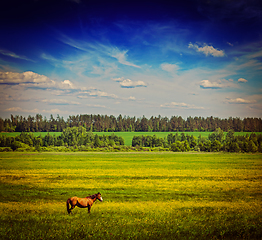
pixel 176 146
pixel 217 135
pixel 137 141
pixel 48 140
pixel 97 142
pixel 15 145
pixel 252 146
pixel 186 146
pixel 215 146
pixel 230 136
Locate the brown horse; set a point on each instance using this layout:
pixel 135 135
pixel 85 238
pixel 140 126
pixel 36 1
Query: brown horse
pixel 82 202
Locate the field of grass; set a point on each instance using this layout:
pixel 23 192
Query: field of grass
pixel 14 134
pixel 128 136
pixel 146 195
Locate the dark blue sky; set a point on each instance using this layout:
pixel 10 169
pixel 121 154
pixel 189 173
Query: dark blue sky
pixel 188 58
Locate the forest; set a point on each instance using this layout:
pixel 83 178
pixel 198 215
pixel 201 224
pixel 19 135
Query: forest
pixel 77 139
pixel 105 123
pixel 72 138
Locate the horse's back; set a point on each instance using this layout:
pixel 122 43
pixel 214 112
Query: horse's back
pixel 73 199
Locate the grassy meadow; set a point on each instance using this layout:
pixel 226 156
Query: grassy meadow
pixel 146 195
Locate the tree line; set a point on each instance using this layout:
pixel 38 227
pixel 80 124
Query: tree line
pixel 215 142
pixel 105 123
pixel 72 138
pixel 77 139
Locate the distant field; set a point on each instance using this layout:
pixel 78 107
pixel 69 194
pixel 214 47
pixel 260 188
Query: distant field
pixel 128 136
pixel 13 134
pixel 146 195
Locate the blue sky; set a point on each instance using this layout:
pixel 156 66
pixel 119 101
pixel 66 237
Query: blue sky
pixel 185 58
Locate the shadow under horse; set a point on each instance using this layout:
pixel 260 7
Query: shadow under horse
pixel 86 202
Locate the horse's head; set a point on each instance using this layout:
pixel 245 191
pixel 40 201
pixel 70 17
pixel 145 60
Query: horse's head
pixel 99 197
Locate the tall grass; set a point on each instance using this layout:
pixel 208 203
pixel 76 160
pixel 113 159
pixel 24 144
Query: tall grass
pixel 146 196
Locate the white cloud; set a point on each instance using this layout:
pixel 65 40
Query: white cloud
pixel 97 94
pixel 66 84
pixel 180 106
pixel 31 79
pixel 13 109
pixel 25 77
pixel 96 106
pixel 172 68
pixel 239 101
pixel 60 102
pixel 131 98
pixel 18 109
pixel 206 84
pixel 102 94
pixel 242 80
pixel 23 110
pixel 207 50
pixel 55 111
pixel 127 83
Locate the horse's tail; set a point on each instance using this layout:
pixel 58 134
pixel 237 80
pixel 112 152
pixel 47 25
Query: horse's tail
pixel 67 205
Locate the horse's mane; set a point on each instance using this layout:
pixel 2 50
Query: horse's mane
pixel 92 196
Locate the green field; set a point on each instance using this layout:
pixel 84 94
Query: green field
pixel 128 136
pixel 146 195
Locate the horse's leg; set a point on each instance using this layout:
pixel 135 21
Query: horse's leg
pixel 89 208
pixel 68 204
pixel 72 207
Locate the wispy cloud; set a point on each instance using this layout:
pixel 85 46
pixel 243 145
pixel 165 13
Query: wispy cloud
pixel 35 110
pixel 253 63
pixel 51 59
pixel 97 93
pixel 239 101
pixel 96 106
pixel 127 83
pixel 207 50
pixel 180 105
pixel 100 50
pixel 18 109
pixel 121 57
pixel 17 98
pixel 60 102
pixel 257 54
pixel 14 55
pixel 248 58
